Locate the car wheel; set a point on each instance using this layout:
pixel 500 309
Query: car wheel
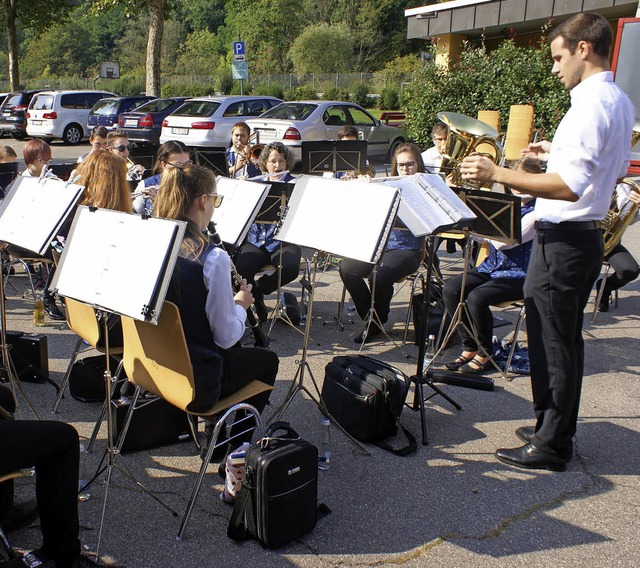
pixel 72 134
pixel 18 135
pixel 392 149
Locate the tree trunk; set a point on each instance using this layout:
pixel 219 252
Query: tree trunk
pixel 12 44
pixel 154 46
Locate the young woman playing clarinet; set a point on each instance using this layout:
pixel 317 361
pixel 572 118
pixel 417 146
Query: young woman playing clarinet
pixel 213 316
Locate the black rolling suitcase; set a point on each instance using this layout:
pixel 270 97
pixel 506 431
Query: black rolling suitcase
pixel 278 500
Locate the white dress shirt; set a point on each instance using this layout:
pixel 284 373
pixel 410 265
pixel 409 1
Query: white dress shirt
pixel 590 150
pixel 432 160
pixel 226 318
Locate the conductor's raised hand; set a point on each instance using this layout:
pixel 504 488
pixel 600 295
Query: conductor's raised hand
pixel 477 167
pixel 538 150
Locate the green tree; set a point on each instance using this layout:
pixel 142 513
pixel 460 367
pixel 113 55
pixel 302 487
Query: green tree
pixel 323 48
pixel 31 14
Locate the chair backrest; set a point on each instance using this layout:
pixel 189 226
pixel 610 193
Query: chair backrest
pixel 490 117
pixel 156 357
pixel 82 321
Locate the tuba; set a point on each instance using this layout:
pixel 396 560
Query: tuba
pixel 467 136
pixel 618 219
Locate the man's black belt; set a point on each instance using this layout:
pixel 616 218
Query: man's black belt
pixel 567 226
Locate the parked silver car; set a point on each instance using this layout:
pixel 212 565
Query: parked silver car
pixel 295 122
pixel 207 121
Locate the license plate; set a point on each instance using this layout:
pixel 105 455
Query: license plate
pixel 131 122
pixel 176 130
pixel 36 122
pixel 267 131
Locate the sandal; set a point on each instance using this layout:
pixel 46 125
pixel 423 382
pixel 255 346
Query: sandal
pixel 476 367
pixel 458 362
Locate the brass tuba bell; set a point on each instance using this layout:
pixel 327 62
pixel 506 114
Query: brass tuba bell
pixel 466 136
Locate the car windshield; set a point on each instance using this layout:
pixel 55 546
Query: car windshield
pixel 157 105
pixel 105 107
pixel 13 100
pixel 291 111
pixel 42 102
pixel 197 108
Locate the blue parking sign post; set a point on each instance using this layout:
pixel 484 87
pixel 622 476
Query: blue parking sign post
pixel 239 68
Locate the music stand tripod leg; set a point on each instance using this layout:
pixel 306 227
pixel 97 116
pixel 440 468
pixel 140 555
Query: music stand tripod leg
pixel 297 383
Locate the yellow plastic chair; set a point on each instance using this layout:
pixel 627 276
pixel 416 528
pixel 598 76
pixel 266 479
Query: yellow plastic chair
pixel 156 360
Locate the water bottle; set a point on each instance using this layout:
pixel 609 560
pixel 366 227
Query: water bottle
pixel 324 456
pixel 38 311
pixel 82 476
pixel 430 351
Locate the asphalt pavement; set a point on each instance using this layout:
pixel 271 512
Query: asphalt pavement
pixel 450 504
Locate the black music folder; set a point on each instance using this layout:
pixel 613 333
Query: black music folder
pixel 279 192
pixel 320 156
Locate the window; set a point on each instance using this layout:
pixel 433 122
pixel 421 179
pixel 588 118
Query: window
pixel 288 111
pixel 335 116
pixel 156 105
pixel 360 118
pixel 42 102
pixel 197 108
pixel 235 109
pixel 105 107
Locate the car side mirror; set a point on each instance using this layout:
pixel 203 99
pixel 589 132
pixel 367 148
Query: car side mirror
pixel 378 122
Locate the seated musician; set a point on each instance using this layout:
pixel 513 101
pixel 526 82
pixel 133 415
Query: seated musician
pixel 432 157
pixel 104 176
pixel 118 144
pixel 171 154
pixel 36 154
pixel 499 278
pixel 401 257
pixel 97 140
pixel 625 267
pixel 239 163
pixel 213 316
pixel 260 247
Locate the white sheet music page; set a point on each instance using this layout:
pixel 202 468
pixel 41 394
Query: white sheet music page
pixel 34 210
pixel 350 219
pixel 428 205
pixel 101 266
pixel 241 203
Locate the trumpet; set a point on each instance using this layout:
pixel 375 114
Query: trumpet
pixel 134 171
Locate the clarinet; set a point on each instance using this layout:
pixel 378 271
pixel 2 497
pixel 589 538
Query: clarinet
pixel 259 337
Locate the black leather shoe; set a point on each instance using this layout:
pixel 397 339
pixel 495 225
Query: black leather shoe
pixel 52 310
pixel 603 304
pixel 20 515
pixel 261 308
pixel 530 457
pixel 526 433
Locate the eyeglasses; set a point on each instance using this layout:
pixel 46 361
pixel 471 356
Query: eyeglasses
pixel 218 199
pixel 121 148
pixel 179 164
pixel 406 165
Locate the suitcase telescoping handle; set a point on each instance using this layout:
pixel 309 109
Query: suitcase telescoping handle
pixel 290 433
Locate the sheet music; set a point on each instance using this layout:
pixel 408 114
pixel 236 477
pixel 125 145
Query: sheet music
pixel 35 209
pixel 99 266
pixel 428 205
pixel 241 203
pixel 349 219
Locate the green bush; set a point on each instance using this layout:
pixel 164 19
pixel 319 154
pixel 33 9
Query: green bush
pixel 270 90
pixel 335 94
pixel 226 83
pixel 389 99
pixel 358 94
pixel 127 85
pixel 300 93
pixel 482 80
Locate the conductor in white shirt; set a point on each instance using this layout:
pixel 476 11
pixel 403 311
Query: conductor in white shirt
pixel 590 151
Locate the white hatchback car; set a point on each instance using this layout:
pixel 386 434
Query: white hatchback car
pixel 207 121
pixel 62 114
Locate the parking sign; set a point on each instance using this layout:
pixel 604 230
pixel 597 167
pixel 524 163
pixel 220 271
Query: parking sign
pixel 238 47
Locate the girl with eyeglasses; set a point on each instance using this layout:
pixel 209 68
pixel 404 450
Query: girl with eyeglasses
pixel 401 257
pixel 213 316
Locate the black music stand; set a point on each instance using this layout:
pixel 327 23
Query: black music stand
pixel 214 158
pixel 314 200
pixel 498 218
pixel 30 217
pixel 97 267
pixel 330 156
pixel 8 172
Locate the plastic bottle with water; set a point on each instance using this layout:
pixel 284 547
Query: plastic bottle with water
pixel 430 352
pixel 82 476
pixel 324 456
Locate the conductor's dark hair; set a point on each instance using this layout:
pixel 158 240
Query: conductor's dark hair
pixel 586 26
